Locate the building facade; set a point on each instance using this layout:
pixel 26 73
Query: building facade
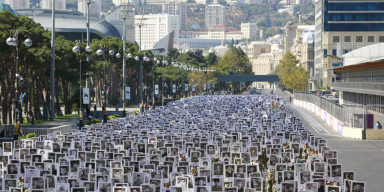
pixel 59 4
pixel 303 49
pixel 342 26
pixel 18 4
pixel 94 7
pixel 177 8
pixel 360 79
pixel 154 27
pixel 116 19
pixel 214 15
pixel 249 30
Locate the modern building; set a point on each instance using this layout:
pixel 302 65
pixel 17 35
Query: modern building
pixel 71 24
pixel 214 15
pixel 116 19
pixel 342 26
pixel 177 8
pixel 18 4
pixel 154 27
pixel 59 4
pixel 360 79
pixel 120 2
pixel 94 7
pixel 4 6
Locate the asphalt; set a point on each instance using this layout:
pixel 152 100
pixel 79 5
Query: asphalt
pixel 363 157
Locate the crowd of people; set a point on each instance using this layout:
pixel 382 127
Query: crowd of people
pixel 198 144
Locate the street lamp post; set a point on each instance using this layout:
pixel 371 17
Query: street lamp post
pixel 14 42
pixel 165 63
pixel 104 93
pixel 125 55
pixel 145 58
pixel 76 49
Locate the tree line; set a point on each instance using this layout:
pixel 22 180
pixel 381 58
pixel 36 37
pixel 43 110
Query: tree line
pixel 34 65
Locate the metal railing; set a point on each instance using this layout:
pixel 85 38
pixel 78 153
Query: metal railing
pixel 360 85
pixel 352 116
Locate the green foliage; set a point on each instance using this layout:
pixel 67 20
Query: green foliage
pixel 94 121
pixel 116 115
pixel 291 76
pixel 30 135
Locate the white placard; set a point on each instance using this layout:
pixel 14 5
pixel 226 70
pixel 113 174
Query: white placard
pixel 186 87
pixel 127 92
pixel 86 96
pixel 193 88
pixel 156 89
pixel 174 88
pixel 205 87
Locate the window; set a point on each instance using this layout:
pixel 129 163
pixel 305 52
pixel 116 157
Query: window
pixel 347 39
pixel 381 38
pixel 334 52
pixel 325 53
pixel 336 39
pixel 371 39
pixel 359 38
pixel 262 50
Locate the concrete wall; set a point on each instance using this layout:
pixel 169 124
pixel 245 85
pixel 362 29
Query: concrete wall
pixel 335 124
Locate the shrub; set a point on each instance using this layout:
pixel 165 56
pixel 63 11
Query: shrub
pixel 94 121
pixel 30 135
pixel 116 115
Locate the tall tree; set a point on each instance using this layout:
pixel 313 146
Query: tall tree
pixel 292 76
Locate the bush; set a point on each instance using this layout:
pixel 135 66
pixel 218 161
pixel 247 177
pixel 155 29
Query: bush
pixel 111 117
pixel 30 135
pixel 94 121
pixel 116 115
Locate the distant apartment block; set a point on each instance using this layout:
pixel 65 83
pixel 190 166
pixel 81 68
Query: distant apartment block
pixel 59 4
pixel 18 4
pixel 154 28
pixel 340 27
pixel 249 30
pixel 120 2
pixel 177 8
pixel 94 7
pixel 214 15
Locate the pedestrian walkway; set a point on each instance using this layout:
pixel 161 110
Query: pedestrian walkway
pixel 362 156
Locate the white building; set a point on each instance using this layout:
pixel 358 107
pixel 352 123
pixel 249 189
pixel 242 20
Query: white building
pixel 154 28
pixel 214 15
pixel 59 4
pixel 120 2
pixel 177 8
pixel 94 7
pixel 18 4
pixel 249 30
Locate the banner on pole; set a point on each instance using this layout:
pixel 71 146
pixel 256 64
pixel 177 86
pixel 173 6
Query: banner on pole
pixel 193 88
pixel 86 96
pixel 186 87
pixel 156 89
pixel 205 87
pixel 174 88
pixel 127 92
pixel 209 86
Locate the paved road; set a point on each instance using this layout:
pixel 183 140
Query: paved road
pixel 364 157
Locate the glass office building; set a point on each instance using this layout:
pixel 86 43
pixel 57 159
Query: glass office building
pixel 344 25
